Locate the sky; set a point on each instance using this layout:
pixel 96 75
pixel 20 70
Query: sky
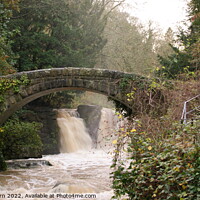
pixel 165 13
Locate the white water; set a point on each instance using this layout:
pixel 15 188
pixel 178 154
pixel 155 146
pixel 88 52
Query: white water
pixel 73 134
pixel 83 171
pixel 107 129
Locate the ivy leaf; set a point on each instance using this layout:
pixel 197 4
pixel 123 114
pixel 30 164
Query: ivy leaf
pixel 114 141
pixel 149 148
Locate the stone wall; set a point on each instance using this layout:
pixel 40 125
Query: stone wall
pixel 49 131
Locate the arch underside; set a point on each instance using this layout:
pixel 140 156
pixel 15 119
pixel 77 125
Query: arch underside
pixel 37 95
pixel 46 81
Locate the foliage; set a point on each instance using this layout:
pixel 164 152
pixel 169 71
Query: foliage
pixel 48 132
pixel 174 64
pixel 127 43
pixel 7 57
pixel 5 68
pixel 144 96
pixel 187 55
pixel 6 54
pixel 20 139
pixel 11 84
pixel 58 33
pixel 194 48
pixel 164 169
pixel 163 47
pixel 57 99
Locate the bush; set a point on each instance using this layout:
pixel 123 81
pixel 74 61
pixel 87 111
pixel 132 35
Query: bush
pixel 166 169
pixel 20 139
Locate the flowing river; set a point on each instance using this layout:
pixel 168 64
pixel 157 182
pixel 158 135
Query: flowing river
pixel 82 170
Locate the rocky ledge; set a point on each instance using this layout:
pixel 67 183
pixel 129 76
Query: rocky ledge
pixel 16 164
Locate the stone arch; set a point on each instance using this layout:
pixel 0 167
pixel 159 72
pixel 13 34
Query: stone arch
pixel 43 82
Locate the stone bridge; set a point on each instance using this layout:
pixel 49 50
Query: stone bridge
pixel 113 84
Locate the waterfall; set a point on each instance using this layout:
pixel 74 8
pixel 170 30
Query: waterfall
pixel 107 128
pixel 73 134
pixel 87 171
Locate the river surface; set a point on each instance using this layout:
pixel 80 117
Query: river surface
pixel 80 172
pixel 79 169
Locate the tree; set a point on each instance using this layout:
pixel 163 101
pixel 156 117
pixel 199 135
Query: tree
pixel 118 50
pixel 186 57
pixel 127 43
pixel 58 33
pixel 7 57
pixel 164 48
pixel 174 64
pixel 194 48
pixel 64 33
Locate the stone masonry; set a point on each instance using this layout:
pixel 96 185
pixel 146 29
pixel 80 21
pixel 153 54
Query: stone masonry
pixel 46 81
